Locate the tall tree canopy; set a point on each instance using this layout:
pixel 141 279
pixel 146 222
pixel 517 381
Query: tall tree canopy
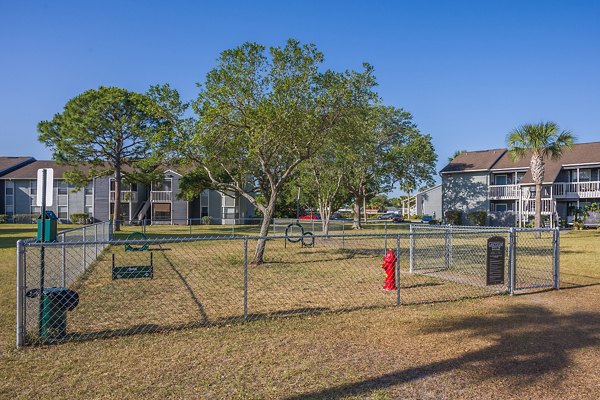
pixel 263 113
pixel 386 149
pixel 540 141
pixel 109 129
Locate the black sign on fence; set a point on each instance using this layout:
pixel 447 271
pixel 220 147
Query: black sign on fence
pixel 496 249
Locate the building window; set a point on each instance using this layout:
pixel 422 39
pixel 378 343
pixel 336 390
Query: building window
pixel 500 180
pixel 164 186
pixel 162 212
pixel 63 188
pixel 520 176
pixel 204 211
pixel 501 207
pixel 585 175
pixel 63 212
pixel 88 189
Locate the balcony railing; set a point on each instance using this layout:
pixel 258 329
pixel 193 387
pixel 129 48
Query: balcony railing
pixel 126 196
pixel 160 196
pixel 577 189
pixel 502 192
pixel 548 206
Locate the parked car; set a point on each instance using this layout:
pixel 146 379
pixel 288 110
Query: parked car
pixel 387 215
pixel 426 219
pixel 310 217
pixel 398 218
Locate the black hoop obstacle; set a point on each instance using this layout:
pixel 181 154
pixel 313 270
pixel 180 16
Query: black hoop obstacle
pixel 307 238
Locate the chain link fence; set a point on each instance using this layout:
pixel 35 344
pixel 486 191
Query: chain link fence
pixel 98 287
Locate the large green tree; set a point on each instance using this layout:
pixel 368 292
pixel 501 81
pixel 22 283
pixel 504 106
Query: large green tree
pixel 387 150
pixel 261 114
pixel 110 130
pixel 540 142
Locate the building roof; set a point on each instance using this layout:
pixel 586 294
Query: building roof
pixel 474 161
pixel 580 154
pixel 29 171
pixel 8 164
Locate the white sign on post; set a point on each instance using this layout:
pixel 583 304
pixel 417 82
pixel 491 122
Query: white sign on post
pixel 49 186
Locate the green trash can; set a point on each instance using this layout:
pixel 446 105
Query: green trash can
pixel 55 304
pixel 51 227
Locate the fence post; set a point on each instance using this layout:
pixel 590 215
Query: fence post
pixel 245 279
pixel 385 238
pixel 512 264
pixel 83 255
pixel 556 254
pixel 63 260
pixel 20 294
pixel 398 269
pixel 96 240
pixel 411 255
pixel 110 230
pixel 343 233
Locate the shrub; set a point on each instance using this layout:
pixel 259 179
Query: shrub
pixel 478 218
pixel 207 220
pixel 454 217
pixel 3 218
pixel 578 225
pixel 24 218
pixel 79 218
pixel 434 222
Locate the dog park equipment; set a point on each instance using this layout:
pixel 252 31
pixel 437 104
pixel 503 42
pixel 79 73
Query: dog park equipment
pixel 307 238
pixel 136 236
pixel 389 265
pixel 133 271
pixel 56 302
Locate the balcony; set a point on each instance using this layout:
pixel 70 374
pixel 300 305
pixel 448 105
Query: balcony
pixel 162 196
pixel 504 192
pixel 548 207
pixel 126 196
pixel 576 190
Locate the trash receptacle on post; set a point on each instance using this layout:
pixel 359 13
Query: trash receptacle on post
pixel 50 227
pixel 55 304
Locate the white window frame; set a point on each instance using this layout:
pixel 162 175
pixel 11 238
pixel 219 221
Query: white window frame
pixel 505 179
pixel 501 204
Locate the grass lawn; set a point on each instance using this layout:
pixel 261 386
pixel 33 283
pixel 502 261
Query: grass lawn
pixel 545 344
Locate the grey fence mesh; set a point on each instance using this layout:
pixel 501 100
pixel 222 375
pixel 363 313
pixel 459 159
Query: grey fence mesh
pixel 95 287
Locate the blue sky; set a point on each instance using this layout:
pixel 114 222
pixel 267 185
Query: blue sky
pixel 468 71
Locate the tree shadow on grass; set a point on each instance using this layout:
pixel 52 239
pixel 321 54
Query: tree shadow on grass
pixel 530 343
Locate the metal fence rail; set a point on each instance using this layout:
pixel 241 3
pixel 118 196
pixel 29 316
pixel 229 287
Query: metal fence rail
pixel 101 288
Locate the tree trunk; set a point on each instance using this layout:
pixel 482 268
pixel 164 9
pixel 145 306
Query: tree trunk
pixel 537 175
pixel 325 212
pixel 264 231
pixel 356 221
pixel 117 205
pixel 538 205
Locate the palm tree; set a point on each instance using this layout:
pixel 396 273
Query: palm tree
pixel 543 141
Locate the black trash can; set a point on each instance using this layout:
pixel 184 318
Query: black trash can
pixel 55 304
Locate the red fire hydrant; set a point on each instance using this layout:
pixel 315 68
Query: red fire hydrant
pixel 389 265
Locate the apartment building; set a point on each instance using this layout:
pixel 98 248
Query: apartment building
pixel 156 203
pixel 492 181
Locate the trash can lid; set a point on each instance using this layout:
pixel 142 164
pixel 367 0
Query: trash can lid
pixel 49 215
pixel 67 297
